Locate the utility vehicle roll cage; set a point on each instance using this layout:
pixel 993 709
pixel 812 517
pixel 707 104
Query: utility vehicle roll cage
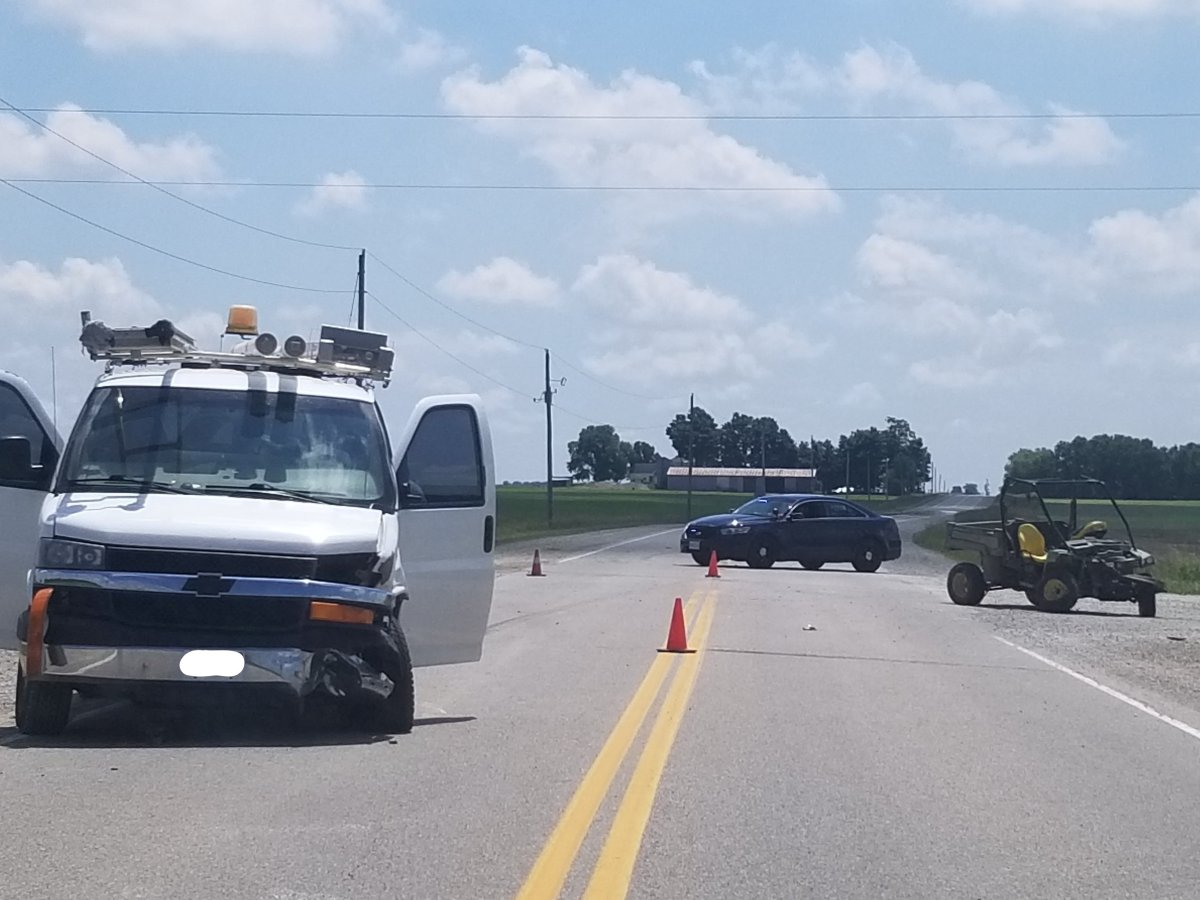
pixel 1034 486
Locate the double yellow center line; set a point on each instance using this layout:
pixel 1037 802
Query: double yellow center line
pixel 614 867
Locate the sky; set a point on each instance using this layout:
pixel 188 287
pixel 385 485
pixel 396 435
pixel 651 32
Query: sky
pixel 982 216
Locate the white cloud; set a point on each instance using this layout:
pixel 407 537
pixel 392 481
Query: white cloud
pixel 863 394
pixel 1090 11
pixel 663 328
pixel 29 151
pixel 616 152
pixel 1161 253
pixel 429 49
pixel 895 263
pixel 503 281
pixel 871 77
pixel 957 373
pixel 34 294
pixel 297 27
pixel 344 190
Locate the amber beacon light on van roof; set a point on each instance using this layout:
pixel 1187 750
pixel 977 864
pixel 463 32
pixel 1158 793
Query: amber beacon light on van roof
pixel 339 352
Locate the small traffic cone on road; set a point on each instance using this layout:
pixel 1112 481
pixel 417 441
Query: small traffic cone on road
pixel 677 636
pixel 712 566
pixel 537 564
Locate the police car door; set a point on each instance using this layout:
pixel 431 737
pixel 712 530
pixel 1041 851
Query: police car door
pixel 29 449
pixel 447 528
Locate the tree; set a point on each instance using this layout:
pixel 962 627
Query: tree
pixel 739 442
pixel 702 441
pixel 906 460
pixel 1039 463
pixel 598 455
pixel 642 452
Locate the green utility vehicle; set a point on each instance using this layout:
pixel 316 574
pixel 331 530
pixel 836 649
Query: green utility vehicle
pixel 1040 547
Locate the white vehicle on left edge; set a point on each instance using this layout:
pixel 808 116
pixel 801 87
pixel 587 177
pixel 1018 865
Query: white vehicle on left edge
pixel 236 522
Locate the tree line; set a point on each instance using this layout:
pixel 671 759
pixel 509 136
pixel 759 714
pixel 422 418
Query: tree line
pixel 892 459
pixel 1133 468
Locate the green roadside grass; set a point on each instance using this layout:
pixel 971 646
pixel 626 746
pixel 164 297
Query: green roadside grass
pixel 521 511
pixel 1167 528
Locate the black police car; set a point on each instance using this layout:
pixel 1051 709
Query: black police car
pixel 808 528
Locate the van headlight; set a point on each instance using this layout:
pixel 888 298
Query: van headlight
pixel 54 553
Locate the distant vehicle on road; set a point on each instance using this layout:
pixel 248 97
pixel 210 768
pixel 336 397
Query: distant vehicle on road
pixel 807 528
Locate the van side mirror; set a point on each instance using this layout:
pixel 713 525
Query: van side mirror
pixel 16 460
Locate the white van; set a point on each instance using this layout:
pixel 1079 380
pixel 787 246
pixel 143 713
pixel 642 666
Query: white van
pixel 237 521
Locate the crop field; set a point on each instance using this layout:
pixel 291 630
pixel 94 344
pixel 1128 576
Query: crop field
pixel 521 511
pixel 1170 529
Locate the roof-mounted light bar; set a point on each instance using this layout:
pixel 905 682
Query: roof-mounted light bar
pixel 162 339
pixel 340 352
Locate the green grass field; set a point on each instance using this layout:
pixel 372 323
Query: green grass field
pixel 521 511
pixel 1170 529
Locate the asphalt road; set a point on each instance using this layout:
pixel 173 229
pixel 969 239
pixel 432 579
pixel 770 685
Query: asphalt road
pixel 836 735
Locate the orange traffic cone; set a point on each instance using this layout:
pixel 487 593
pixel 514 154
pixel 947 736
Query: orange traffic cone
pixel 677 636
pixel 712 566
pixel 537 564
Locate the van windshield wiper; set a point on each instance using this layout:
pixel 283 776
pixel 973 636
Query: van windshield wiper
pixel 125 481
pixel 271 490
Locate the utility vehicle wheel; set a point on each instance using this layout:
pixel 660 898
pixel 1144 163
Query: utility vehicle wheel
pixel 762 554
pixel 700 559
pixel 395 714
pixel 1147 605
pixel 1057 592
pixel 868 557
pixel 812 564
pixel 1031 595
pixel 43 708
pixel 966 585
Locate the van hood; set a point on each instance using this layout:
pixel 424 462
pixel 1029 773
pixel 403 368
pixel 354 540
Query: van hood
pixel 219 523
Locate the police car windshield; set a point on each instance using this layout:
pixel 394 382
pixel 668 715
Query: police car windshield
pixel 215 441
pixel 765 506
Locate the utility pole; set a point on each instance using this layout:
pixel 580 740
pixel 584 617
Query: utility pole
pixel 548 399
pixel 847 467
pixel 362 289
pixel 691 449
pixel 762 436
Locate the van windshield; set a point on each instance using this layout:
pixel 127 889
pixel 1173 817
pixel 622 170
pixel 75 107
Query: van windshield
pixel 285 445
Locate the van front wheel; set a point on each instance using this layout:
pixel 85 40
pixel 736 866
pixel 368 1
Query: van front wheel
pixel 43 708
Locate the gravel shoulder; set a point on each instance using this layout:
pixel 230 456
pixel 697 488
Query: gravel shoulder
pixel 1153 660
pixel 8 686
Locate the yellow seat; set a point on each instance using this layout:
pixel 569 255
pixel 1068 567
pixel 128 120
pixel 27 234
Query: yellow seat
pixel 1032 543
pixel 1096 528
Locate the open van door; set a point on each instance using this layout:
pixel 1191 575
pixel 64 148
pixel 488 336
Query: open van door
pixel 447 516
pixel 29 450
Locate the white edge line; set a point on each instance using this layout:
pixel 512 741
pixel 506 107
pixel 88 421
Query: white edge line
pixel 1091 682
pixel 644 537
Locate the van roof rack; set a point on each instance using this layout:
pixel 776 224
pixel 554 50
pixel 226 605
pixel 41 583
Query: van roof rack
pixel 339 353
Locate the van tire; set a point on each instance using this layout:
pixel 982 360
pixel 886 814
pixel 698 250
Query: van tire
pixel 43 708
pixel 396 713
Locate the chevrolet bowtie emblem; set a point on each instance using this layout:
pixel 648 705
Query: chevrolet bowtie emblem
pixel 209 584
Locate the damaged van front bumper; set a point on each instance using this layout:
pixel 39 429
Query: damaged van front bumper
pixel 130 633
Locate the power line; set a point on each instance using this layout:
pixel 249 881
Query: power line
pixel 508 387
pixel 446 306
pixel 462 362
pixel 161 251
pixel 508 337
pixel 162 190
pixel 633 188
pixel 619 117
